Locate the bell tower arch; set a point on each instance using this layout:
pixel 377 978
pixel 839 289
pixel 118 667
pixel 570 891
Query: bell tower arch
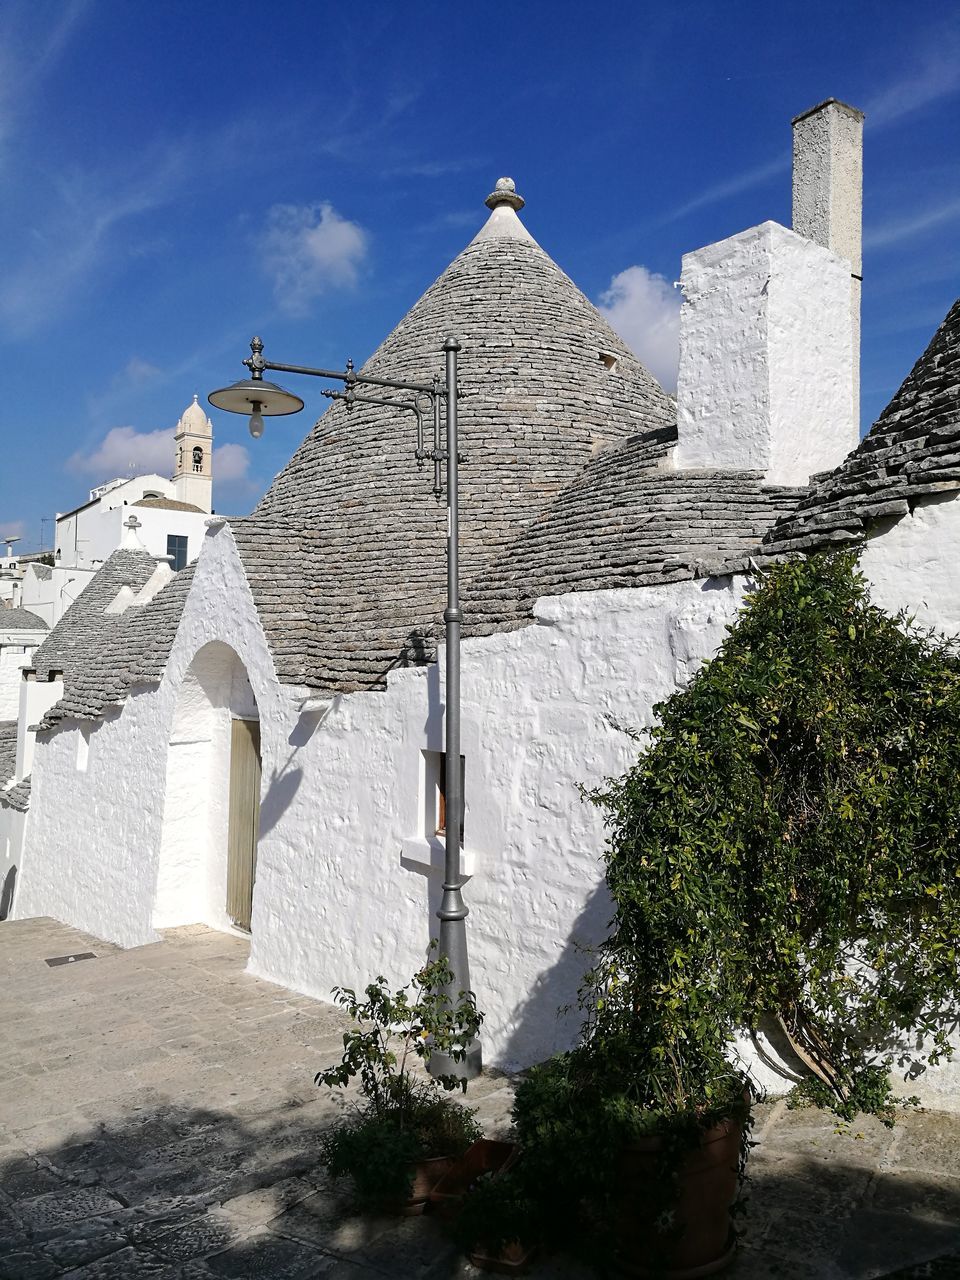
pixel 193 458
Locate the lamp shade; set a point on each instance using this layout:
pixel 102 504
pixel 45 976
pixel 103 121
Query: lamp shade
pixel 241 397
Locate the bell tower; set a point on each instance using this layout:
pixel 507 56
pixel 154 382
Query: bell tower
pixel 193 458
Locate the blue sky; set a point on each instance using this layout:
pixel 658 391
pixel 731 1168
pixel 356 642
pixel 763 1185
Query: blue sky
pixel 176 177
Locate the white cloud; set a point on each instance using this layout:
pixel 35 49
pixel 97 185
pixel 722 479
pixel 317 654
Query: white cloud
pixel 126 451
pixel 11 529
pixel 308 249
pixel 231 462
pixel 644 308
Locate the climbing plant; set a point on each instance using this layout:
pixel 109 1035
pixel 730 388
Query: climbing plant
pixel 786 847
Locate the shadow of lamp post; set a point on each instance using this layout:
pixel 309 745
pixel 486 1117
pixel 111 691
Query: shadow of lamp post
pixel 258 398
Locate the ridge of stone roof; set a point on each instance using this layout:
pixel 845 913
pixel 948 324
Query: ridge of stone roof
pixel 911 452
pixel 82 633
pixel 20 619
pixel 134 652
pixel 628 522
pixel 538 401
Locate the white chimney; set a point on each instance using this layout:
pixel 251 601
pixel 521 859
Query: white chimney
pixel 828 197
pixel 766 367
pixel 770 324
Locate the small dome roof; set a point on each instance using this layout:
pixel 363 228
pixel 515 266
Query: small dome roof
pixel 194 417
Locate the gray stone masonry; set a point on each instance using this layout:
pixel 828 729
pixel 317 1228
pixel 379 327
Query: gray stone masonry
pixel 910 455
pixel 158 1119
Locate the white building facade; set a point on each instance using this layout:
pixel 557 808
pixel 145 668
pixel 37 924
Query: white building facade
pixel 279 701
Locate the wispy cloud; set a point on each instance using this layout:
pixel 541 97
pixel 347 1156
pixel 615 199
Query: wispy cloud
pixel 644 309
pixel 892 232
pixel 34 38
pixel 308 249
pixel 78 233
pixel 754 177
pixel 934 76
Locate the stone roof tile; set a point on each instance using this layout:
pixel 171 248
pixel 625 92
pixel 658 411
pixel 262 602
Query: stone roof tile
pixel 912 451
pixel 21 620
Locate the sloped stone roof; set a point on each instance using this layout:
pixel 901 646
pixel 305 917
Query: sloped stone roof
pixel 43 571
pixel 79 638
pixel 168 504
pixel 359 515
pixel 21 620
pixel 912 451
pixel 134 650
pixel 625 522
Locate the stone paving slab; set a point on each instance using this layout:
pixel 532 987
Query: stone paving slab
pixel 158 1119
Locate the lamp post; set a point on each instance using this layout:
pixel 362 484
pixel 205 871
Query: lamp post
pixel 256 397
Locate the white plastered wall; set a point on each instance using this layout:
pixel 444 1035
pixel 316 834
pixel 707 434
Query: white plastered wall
pixel 348 877
pixel 12 825
pixel 766 366
pixel 99 869
pixel 345 885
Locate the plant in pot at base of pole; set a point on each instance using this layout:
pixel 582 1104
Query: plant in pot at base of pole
pixel 405 1131
pixel 633 1147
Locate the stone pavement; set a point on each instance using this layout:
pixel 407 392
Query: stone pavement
pixel 158 1119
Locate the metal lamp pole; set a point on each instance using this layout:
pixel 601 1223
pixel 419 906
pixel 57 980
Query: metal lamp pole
pixel 258 398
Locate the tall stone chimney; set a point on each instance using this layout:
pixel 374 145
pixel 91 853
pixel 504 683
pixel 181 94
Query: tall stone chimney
pixel 828 197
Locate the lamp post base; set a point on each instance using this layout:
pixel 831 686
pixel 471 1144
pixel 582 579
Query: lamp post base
pixel 468 1068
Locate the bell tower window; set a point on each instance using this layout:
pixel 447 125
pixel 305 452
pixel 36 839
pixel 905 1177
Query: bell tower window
pixel 197 458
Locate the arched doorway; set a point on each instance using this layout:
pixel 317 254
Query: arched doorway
pixel 211 813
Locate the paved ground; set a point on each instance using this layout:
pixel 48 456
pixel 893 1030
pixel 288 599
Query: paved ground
pixel 158 1119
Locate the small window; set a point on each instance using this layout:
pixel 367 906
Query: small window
pixel 441 792
pixel 609 361
pixel 197 458
pixel 177 550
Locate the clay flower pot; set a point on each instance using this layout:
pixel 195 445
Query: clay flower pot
pixel 698 1240
pixel 426 1175
pixel 486 1156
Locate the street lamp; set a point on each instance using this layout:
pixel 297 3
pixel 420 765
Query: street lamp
pixel 259 399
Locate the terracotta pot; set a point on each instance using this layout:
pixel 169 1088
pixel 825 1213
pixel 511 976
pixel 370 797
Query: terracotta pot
pixel 702 1241
pixel 486 1156
pixel 426 1175
pixel 512 1260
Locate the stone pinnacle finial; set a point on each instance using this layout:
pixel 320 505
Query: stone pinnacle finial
pixel 505 192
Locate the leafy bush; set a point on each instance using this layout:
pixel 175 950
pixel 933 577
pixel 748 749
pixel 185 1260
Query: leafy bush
pixel 786 846
pixel 400 1119
pixel 378 1150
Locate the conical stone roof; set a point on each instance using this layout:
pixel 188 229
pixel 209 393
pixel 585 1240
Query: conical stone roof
pixel 539 400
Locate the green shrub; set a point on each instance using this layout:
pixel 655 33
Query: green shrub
pixel 786 847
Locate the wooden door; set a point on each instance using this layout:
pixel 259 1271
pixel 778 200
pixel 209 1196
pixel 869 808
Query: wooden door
pixel 244 823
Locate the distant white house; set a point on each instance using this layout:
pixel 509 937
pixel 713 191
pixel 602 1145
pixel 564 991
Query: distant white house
pixel 171 511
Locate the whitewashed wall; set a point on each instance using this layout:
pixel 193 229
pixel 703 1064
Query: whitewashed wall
pixel 348 878
pixel 12 824
pixel 99 871
pixel 913 565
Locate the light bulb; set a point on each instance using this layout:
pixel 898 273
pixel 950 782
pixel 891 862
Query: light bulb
pixel 256 421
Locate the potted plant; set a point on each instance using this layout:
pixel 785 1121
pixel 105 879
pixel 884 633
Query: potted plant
pixel 405 1130
pixel 634 1144
pixel 783 848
